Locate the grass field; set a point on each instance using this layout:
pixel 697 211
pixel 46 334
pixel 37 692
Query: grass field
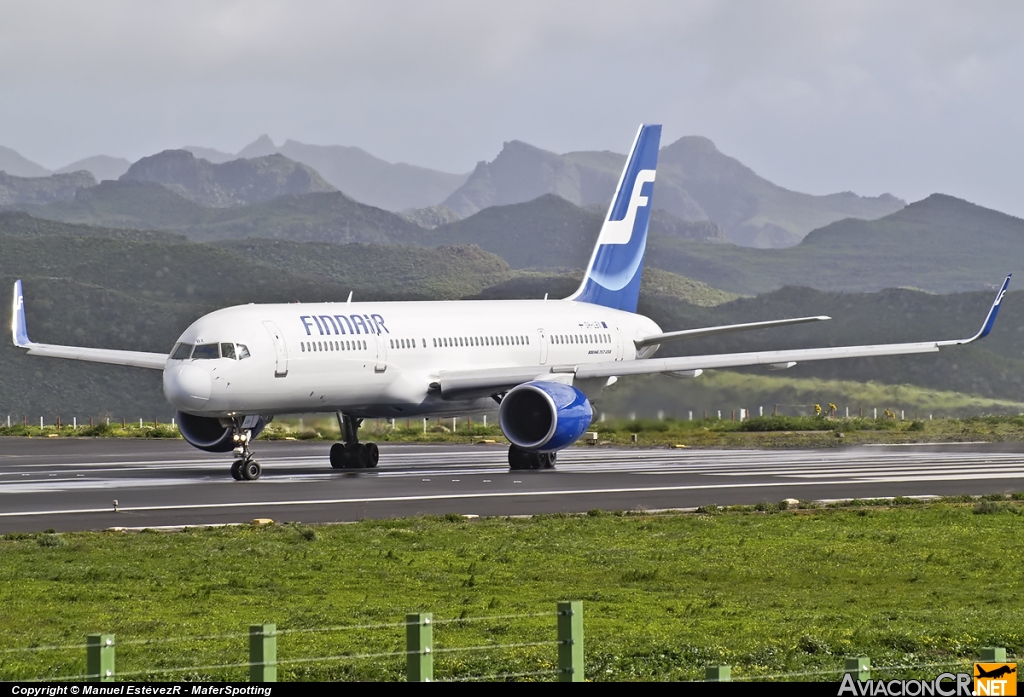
pixel 767 590
pixel 758 432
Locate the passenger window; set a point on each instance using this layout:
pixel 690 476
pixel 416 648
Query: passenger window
pixel 206 351
pixel 181 352
pixel 228 351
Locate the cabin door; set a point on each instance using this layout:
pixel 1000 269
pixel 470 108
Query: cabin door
pixel 281 367
pixel 543 347
pixel 382 352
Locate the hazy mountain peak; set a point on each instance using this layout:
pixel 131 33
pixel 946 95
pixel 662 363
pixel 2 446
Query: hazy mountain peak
pixel 235 183
pixel 101 166
pixel 15 164
pixel 42 190
pixel 210 154
pixel 258 148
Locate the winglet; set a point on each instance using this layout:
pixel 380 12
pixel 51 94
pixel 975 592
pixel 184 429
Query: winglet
pixel 18 330
pixel 990 318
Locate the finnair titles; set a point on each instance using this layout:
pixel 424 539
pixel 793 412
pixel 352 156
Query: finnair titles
pixel 543 362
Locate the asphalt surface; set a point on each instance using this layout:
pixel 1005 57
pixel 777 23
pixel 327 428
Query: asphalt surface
pixel 71 484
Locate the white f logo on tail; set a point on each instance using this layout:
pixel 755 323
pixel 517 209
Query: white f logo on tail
pixel 620 231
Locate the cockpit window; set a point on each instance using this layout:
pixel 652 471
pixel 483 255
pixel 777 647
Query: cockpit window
pixel 181 352
pixel 227 350
pixel 243 351
pixel 206 351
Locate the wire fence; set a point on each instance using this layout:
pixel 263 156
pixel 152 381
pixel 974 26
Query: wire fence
pixel 566 662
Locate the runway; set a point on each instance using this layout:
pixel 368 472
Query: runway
pixel 71 484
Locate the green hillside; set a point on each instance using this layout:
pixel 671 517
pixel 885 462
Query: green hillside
pixel 318 217
pixel 941 244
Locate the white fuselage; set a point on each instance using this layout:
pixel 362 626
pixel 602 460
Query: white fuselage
pixel 380 359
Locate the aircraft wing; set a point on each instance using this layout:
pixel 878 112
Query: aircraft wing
pixel 459 384
pixel 19 333
pixel 726 329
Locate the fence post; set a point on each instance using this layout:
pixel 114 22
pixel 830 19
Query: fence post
pixel 859 667
pixel 262 653
pixel 993 654
pixel 99 657
pixel 570 641
pixel 419 646
pixel 717 674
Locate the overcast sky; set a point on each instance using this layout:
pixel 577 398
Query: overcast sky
pixel 903 97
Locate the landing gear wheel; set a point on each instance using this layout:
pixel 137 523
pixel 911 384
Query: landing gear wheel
pixel 350 453
pixel 236 470
pixel 519 459
pixel 251 470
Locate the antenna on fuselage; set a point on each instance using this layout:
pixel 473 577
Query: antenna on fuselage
pixel 545 296
pixel 349 298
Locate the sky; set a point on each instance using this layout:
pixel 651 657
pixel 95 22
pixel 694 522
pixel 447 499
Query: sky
pixel 909 97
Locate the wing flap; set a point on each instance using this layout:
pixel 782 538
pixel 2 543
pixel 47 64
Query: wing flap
pixel 725 329
pixel 737 360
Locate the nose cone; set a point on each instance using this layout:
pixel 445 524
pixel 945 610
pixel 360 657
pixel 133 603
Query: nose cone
pixel 187 387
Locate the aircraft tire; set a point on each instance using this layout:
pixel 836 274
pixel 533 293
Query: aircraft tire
pixel 547 461
pixel 339 456
pixel 251 471
pixel 236 470
pixel 519 459
pixel 372 455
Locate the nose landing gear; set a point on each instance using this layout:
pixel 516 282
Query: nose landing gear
pixel 351 454
pixel 244 468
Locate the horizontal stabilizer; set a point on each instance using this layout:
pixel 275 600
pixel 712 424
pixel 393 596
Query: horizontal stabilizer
pixel 19 333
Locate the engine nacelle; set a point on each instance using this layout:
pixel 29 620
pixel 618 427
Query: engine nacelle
pixel 544 416
pixel 211 435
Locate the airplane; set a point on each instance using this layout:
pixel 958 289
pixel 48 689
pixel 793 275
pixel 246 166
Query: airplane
pixel 999 672
pixel 543 362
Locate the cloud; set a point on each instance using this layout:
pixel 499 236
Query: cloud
pixel 816 94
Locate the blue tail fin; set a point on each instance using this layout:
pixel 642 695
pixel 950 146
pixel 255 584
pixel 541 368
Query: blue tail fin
pixel 613 275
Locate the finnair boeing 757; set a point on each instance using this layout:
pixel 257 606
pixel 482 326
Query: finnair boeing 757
pixel 542 361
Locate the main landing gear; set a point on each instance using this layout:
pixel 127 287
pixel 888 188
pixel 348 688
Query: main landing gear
pixel 351 454
pixel 244 468
pixel 519 459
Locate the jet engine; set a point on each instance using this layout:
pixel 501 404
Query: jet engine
pixel 544 416
pixel 214 435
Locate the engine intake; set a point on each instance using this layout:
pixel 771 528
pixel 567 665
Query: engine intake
pixel 211 435
pixel 544 416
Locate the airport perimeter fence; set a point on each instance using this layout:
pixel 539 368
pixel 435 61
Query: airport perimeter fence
pixel 825 410
pixel 564 664
pixel 860 668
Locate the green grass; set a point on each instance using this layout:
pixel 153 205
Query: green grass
pixel 763 589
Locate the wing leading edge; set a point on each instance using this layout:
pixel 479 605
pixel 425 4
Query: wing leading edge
pixel 19 333
pixel 457 384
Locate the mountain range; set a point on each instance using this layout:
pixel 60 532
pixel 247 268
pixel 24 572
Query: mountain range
pixel 696 182
pixel 235 183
